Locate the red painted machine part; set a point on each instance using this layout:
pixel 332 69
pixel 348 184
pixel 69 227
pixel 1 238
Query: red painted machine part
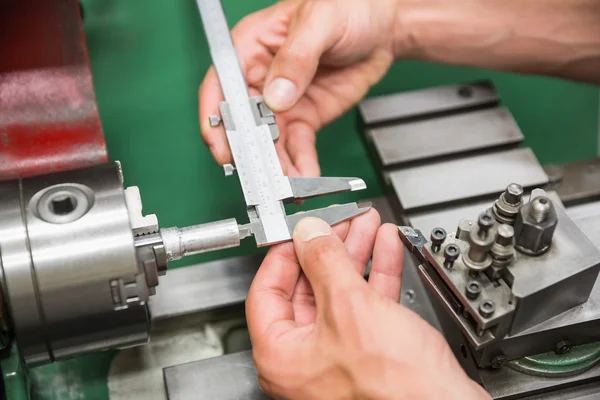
pixel 48 115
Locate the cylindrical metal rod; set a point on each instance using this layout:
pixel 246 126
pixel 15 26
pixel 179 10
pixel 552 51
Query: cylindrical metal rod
pixel 196 239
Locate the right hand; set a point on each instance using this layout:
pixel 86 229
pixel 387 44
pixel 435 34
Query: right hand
pixel 320 331
pixel 312 61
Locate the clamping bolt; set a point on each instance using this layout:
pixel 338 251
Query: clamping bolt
pixel 438 235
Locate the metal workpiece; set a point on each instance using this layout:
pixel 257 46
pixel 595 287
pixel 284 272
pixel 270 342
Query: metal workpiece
pixel 181 242
pixel 535 226
pixel 481 240
pixel 454 135
pixel 506 208
pixel 71 275
pixel 451 180
pixel 428 102
pixel 250 130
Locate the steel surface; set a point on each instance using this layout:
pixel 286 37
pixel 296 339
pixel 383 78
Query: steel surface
pixel 438 137
pixel 578 181
pixel 77 286
pixel 427 102
pixel 452 181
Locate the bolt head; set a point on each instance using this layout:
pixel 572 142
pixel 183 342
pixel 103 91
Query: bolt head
pixel 487 308
pixel 513 194
pixel 562 347
pixel 473 289
pixel 214 120
pixel 451 252
pixel 499 361
pixel 485 221
pixel 438 235
pixel 505 235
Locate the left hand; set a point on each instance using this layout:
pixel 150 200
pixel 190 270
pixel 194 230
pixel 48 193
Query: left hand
pixel 312 61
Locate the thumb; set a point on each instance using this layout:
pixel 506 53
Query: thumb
pixel 324 258
pixel 311 33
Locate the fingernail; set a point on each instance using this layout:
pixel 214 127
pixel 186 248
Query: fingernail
pixel 280 94
pixel 309 228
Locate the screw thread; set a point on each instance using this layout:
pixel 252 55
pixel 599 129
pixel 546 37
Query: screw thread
pixel 540 209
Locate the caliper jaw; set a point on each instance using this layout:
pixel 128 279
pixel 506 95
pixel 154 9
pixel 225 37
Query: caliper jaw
pixel 332 215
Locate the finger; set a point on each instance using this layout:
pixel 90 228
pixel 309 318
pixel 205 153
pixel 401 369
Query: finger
pixel 301 146
pixel 311 33
pixel 388 258
pixel 361 238
pixel 269 302
pixel 210 95
pixel 324 258
pixel 303 301
pixel 283 156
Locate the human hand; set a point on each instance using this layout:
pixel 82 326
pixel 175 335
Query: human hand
pixel 319 330
pixel 312 61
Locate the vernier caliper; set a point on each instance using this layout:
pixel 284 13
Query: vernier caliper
pixel 251 131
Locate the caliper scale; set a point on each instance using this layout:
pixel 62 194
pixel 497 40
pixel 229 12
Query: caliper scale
pixel 251 131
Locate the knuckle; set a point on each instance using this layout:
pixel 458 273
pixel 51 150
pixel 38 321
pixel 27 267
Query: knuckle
pixel 297 54
pixel 346 308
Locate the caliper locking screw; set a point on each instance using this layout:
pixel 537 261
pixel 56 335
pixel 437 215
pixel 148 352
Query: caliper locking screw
pixel 451 253
pixel 487 308
pixel 438 235
pixel 214 120
pixel 473 290
pixel 499 361
pixel 562 347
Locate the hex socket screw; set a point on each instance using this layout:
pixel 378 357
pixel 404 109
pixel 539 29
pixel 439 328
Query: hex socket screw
pixel 451 253
pixel 473 290
pixel 485 222
pixel 487 308
pixel 438 235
